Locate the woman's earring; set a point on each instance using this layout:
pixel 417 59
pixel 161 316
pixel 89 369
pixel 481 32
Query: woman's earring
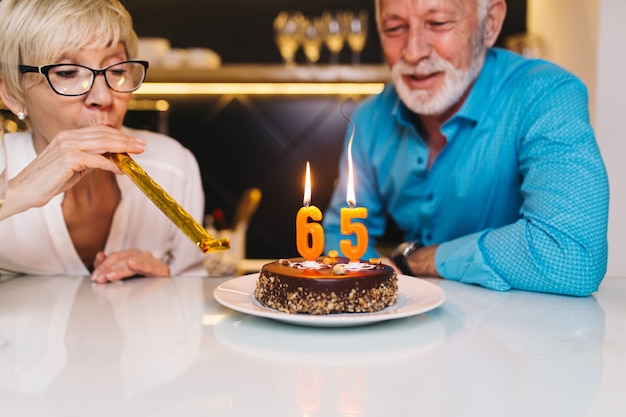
pixel 20 114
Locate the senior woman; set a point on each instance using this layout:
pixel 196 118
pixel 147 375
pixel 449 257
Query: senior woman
pixel 69 67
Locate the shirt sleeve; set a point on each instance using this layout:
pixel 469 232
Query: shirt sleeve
pixel 559 243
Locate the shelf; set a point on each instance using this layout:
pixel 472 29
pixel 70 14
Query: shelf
pixel 260 73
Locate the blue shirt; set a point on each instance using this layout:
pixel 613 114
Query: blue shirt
pixel 518 196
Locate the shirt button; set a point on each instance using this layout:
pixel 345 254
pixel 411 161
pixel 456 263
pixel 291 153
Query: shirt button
pixel 420 160
pixel 429 196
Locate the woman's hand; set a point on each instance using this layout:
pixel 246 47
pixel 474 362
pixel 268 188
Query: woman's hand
pixel 63 162
pixel 125 264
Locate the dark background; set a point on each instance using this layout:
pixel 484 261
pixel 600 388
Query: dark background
pixel 256 141
pixel 241 30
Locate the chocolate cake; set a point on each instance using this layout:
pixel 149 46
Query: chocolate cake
pixel 326 286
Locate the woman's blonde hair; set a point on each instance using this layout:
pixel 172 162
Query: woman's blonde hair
pixel 40 32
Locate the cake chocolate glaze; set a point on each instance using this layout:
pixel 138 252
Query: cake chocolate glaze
pixel 287 286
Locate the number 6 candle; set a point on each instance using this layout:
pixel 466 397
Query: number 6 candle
pixel 348 227
pixel 309 250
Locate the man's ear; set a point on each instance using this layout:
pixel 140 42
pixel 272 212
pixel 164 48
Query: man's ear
pixel 496 12
pixel 8 100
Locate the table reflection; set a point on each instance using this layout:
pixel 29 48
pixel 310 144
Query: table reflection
pixel 333 370
pixel 64 335
pixel 519 351
pixel 481 353
pixel 164 347
pixel 329 347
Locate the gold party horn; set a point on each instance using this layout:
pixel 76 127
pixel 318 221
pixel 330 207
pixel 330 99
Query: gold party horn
pixel 178 215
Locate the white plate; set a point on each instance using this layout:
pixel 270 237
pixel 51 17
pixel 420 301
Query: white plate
pixel 415 296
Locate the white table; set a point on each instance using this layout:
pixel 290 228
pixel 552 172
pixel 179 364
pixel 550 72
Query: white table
pixel 164 347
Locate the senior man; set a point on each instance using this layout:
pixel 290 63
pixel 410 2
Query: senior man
pixel 485 160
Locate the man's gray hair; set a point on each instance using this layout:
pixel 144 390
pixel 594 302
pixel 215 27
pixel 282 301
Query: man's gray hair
pixel 483 7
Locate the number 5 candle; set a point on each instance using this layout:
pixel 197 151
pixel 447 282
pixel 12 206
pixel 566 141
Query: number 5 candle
pixel 309 235
pixel 354 252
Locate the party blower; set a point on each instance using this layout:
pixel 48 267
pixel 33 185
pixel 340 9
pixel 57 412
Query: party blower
pixel 178 215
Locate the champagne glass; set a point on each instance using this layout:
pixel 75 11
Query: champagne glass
pixel 357 34
pixel 334 34
pixel 4 175
pixel 287 34
pixel 312 39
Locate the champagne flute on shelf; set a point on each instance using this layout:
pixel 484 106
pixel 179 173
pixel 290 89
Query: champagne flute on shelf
pixel 357 34
pixel 287 35
pixel 312 39
pixel 4 175
pixel 334 34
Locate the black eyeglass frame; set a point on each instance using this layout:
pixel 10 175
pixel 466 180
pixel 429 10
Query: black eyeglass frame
pixel 45 69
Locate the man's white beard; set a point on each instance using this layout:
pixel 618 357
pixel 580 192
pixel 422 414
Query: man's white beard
pixel 455 83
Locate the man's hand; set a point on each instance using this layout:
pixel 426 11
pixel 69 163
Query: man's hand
pixel 421 262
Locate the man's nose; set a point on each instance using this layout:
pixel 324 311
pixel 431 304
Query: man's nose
pixel 418 45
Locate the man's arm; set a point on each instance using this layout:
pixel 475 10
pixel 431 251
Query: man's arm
pixel 558 244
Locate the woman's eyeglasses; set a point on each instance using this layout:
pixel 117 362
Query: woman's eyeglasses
pixel 76 80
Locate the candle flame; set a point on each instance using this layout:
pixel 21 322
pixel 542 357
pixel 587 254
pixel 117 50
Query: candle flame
pixel 307 186
pixel 351 197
